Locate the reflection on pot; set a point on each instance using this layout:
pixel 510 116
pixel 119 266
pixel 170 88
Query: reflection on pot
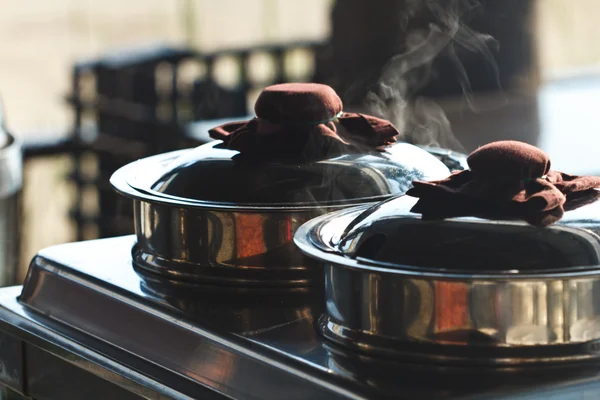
pixel 242 311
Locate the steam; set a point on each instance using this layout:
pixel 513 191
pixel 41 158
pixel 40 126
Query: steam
pixel 421 120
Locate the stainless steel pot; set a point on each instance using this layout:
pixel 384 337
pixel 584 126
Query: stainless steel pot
pixel 209 215
pixel 11 167
pixel 463 290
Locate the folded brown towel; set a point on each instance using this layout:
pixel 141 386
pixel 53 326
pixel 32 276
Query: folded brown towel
pixel 506 180
pixel 306 120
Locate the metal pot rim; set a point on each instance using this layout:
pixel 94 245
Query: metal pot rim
pixel 127 182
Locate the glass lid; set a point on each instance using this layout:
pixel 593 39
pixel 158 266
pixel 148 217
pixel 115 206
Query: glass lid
pixel 389 235
pixel 215 176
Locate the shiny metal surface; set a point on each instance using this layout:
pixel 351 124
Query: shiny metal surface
pixel 462 290
pixel 201 215
pixel 11 181
pixel 218 178
pixel 50 349
pixel 10 216
pixel 11 177
pixel 244 311
pixel 84 303
pixel 103 297
pixel 226 247
pixel 453 160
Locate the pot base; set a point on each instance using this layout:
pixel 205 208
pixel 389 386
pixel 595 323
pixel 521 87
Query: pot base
pixel 482 350
pixel 147 264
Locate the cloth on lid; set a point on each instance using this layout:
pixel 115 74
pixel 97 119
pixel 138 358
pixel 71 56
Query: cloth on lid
pixel 506 180
pixel 304 120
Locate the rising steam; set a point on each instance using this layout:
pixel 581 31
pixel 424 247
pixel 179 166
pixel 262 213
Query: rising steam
pixel 444 31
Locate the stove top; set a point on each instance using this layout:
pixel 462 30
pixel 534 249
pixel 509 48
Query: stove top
pixel 84 312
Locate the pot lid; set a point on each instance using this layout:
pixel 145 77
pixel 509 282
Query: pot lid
pixel 388 235
pixel 214 176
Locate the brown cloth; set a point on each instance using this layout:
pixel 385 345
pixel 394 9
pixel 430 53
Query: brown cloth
pixel 304 120
pixel 506 180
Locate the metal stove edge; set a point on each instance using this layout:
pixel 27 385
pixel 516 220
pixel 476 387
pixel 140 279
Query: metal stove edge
pixel 106 303
pixel 82 304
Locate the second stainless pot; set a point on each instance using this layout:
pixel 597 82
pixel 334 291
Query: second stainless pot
pixel 462 290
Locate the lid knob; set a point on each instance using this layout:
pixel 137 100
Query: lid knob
pixel 304 121
pixel 510 160
pixel 298 103
pixel 506 179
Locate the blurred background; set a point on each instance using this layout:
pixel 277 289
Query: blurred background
pixel 91 85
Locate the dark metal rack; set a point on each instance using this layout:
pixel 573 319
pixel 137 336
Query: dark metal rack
pixel 134 103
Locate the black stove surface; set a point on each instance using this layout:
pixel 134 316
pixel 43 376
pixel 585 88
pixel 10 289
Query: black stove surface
pixel 192 342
